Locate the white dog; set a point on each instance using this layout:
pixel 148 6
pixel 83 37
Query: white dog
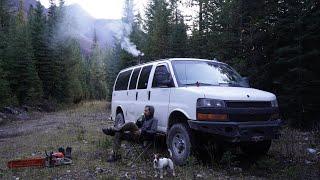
pixel 161 164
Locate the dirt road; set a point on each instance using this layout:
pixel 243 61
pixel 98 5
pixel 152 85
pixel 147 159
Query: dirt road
pixel 80 128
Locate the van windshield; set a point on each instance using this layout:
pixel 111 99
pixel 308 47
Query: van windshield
pixel 205 73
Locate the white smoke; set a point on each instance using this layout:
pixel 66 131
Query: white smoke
pixel 123 32
pixel 78 24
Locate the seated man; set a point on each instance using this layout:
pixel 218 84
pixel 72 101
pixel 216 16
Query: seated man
pixel 144 129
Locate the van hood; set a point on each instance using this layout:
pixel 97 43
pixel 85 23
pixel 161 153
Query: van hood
pixel 233 93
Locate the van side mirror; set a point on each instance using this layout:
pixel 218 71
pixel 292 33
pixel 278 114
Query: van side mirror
pixel 244 82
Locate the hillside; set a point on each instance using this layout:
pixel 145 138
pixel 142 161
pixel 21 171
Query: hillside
pixel 82 24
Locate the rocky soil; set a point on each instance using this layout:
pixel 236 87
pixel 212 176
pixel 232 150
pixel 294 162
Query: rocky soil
pixel 294 155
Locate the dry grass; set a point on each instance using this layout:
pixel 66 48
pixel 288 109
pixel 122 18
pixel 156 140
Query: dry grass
pixel 80 127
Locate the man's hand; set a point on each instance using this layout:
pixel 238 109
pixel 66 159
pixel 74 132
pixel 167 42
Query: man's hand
pixel 138 133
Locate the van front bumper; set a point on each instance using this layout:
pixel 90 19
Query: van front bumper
pixel 239 131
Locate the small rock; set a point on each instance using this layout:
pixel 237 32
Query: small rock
pixel 23 116
pixel 127 175
pixel 306 138
pixel 68 171
pixel 308 162
pixel 99 170
pixel 199 176
pixel 311 151
pixel 2 115
pixel 237 169
pixel 33 154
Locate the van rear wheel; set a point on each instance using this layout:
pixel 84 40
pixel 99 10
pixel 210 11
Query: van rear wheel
pixel 179 141
pixel 119 120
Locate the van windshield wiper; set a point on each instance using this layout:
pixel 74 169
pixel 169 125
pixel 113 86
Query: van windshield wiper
pixel 200 84
pixel 231 84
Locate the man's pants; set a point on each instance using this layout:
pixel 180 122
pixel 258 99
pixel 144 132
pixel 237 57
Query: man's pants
pixel 122 132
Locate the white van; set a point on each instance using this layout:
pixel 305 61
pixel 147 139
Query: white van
pixel 195 101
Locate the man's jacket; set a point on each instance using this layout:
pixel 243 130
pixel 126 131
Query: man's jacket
pixel 148 125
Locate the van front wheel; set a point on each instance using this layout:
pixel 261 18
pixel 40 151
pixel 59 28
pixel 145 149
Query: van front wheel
pixel 119 120
pixel 179 142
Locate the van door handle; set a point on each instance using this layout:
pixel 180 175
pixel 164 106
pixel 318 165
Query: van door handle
pixel 136 96
pixel 149 95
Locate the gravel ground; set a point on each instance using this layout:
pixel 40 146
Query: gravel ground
pixel 80 128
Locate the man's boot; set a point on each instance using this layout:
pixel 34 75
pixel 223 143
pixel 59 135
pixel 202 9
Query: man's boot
pixel 108 131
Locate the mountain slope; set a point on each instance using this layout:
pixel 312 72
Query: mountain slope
pixel 79 24
pixel 26 4
pixel 82 26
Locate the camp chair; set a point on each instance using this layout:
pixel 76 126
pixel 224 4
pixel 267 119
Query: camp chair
pixel 139 149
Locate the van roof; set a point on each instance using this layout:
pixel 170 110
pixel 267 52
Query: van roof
pixel 168 59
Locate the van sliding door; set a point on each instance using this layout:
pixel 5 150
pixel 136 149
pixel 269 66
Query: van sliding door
pixel 131 99
pixel 142 91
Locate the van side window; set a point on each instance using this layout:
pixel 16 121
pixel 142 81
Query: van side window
pixel 134 78
pixel 161 77
pixel 144 77
pixel 123 80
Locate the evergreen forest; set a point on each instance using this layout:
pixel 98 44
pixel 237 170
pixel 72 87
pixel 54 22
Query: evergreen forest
pixel 275 43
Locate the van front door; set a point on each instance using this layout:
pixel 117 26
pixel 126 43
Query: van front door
pixel 159 95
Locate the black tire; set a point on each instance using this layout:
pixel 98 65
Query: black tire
pixel 119 120
pixel 179 141
pixel 256 148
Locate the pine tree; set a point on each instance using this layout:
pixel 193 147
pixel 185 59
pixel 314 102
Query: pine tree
pixel 296 69
pixel 5 92
pixel 112 67
pixel 44 63
pixel 70 75
pixel 130 29
pixel 178 32
pixel 138 37
pixel 24 80
pixel 96 82
pixel 158 29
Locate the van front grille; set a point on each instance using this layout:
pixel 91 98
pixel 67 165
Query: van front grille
pixel 248 104
pixel 249 117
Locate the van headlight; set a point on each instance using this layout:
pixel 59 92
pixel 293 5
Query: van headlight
pixel 274 103
pixel 210 103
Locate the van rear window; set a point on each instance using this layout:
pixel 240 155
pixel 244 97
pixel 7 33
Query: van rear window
pixel 123 80
pixel 144 77
pixel 134 78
